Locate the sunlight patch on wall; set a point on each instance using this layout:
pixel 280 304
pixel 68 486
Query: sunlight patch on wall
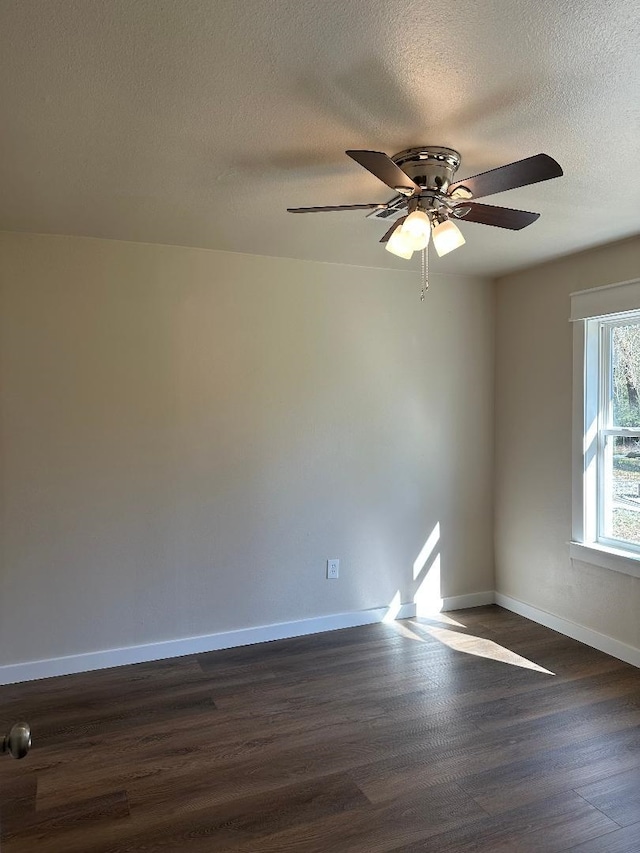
pixel 428 598
pixel 394 608
pixel 426 551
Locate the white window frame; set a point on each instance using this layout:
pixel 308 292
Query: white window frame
pixel 593 314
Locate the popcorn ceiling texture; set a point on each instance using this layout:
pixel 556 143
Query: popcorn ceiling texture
pixel 197 123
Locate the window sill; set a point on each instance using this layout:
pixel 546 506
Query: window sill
pixel 607 558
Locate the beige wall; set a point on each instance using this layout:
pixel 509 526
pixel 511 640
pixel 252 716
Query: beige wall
pixel 533 446
pixel 187 435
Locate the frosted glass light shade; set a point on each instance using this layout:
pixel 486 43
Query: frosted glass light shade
pixel 417 228
pixel 447 237
pixel 399 244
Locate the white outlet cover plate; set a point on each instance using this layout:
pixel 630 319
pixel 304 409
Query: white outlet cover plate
pixel 333 569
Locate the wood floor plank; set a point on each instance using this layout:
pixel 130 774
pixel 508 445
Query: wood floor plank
pixel 567 767
pixel 625 840
pixel 47 827
pixel 238 821
pixel 309 757
pixel 549 700
pixel 17 801
pixel 548 826
pixel 375 829
pixel 617 796
pixel 488 755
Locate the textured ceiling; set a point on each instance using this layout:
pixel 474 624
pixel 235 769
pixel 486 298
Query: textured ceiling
pixel 197 123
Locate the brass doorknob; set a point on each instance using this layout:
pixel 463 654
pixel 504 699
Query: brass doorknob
pixel 18 742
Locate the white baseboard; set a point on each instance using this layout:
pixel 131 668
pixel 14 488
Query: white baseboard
pixel 602 642
pixel 474 599
pixel 32 670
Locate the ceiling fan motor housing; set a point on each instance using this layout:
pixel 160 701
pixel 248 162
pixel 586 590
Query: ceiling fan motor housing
pixel 423 178
pixel 431 167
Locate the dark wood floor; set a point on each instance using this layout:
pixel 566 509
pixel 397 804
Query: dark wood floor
pixel 419 736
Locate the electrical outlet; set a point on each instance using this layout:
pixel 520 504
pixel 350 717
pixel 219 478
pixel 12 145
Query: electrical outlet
pixel 333 569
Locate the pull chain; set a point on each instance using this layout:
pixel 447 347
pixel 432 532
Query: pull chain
pixel 425 273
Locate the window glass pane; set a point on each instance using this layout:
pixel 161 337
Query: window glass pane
pixel 625 363
pixel 621 489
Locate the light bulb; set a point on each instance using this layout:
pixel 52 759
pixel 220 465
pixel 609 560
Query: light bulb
pixel 447 237
pixel 399 244
pixel 417 228
pixel 420 242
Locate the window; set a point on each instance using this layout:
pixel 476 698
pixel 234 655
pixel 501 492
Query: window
pixel 617 451
pixel 606 500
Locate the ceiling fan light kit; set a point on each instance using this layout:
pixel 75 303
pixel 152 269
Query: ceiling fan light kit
pixel 423 178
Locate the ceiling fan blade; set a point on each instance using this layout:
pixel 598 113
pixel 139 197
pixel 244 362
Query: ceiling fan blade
pixel 396 224
pixel 488 214
pixel 385 170
pixel 336 207
pixel 531 170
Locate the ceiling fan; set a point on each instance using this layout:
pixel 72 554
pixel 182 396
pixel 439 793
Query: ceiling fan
pixel 423 180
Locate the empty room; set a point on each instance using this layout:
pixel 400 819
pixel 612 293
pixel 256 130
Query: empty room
pixel 319 426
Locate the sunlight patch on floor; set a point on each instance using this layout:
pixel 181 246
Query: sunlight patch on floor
pixel 406 632
pixel 478 646
pixel 443 618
